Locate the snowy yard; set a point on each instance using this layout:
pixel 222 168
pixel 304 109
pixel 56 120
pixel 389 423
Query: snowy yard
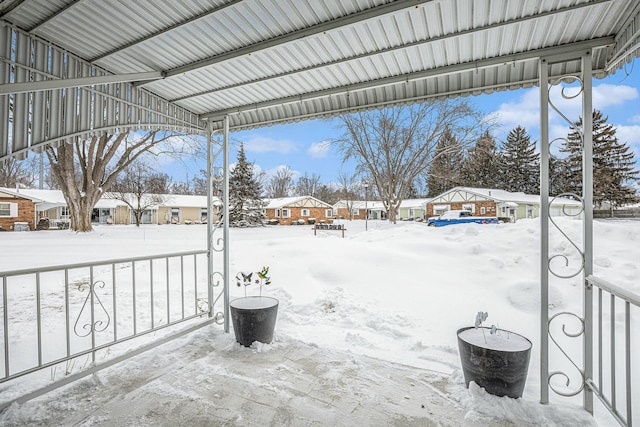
pixel 374 305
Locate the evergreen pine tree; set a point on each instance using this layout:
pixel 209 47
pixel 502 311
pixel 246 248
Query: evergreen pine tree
pixel 245 203
pixel 614 172
pixel 480 166
pixel 444 172
pixel 519 163
pixel 559 176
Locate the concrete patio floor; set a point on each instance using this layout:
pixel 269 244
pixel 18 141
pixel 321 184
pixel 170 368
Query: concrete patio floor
pixel 206 379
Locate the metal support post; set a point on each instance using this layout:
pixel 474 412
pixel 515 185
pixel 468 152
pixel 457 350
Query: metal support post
pixel 544 231
pixel 210 217
pixel 225 210
pixel 587 193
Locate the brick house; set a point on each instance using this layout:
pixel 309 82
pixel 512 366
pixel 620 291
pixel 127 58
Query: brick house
pixel 500 203
pixel 286 210
pixel 16 208
pixel 358 209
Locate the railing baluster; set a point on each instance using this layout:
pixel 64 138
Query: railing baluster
pixel 135 312
pixel 612 319
pixel 115 308
pixel 168 296
pixel 600 314
pixel 66 310
pixel 182 282
pixel 195 283
pixel 93 315
pixel 5 315
pixel 151 290
pixel 627 339
pixel 39 319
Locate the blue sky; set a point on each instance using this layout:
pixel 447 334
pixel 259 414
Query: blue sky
pixel 302 146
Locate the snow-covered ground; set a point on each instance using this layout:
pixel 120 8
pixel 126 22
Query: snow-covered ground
pixel 386 299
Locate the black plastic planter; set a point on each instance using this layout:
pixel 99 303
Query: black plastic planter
pixel 499 365
pixel 254 319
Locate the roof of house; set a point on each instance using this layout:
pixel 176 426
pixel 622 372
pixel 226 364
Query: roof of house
pixel 296 201
pixel 54 198
pixel 360 204
pixel 503 196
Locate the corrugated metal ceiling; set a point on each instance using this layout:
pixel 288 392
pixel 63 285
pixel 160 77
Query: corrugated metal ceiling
pixel 266 61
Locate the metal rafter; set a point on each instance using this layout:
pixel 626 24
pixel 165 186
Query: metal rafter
pixel 397 48
pixel 442 71
pixel 322 27
pixel 58 13
pixel 165 30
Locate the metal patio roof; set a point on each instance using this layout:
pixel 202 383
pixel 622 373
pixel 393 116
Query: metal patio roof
pixel 271 61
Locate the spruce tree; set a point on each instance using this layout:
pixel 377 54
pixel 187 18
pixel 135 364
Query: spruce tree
pixel 444 172
pixel 245 203
pixel 559 176
pixel 480 166
pixel 519 163
pixel 614 172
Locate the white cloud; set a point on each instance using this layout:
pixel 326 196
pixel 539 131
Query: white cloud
pixel 261 144
pixel 525 110
pixel 319 150
pixel 629 135
pixel 605 95
pixel 635 119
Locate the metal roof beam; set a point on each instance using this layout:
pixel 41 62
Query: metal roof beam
pixel 568 49
pixel 396 48
pixel 333 24
pixel 165 30
pixel 39 86
pixel 60 12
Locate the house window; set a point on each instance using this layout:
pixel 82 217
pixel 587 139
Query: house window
pixel 440 209
pixel 469 207
pixel 175 215
pixel 328 213
pixel 483 210
pixel 277 213
pixel 5 209
pixel 64 212
pixel 286 213
pixel 203 215
pixel 355 212
pixel 305 212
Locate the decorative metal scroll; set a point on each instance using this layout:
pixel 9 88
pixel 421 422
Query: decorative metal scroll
pixel 560 373
pixel 551 265
pixel 93 325
pixel 217 243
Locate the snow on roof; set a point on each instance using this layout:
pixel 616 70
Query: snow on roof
pixel 55 198
pixel 414 203
pixel 360 204
pixel 515 197
pixel 282 202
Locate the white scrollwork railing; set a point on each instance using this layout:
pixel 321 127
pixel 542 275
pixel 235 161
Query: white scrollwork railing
pixel 80 310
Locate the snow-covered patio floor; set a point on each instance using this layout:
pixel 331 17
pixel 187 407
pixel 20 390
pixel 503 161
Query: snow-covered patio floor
pixel 207 379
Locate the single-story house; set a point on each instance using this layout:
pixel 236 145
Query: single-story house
pixel 17 210
pixel 412 209
pixel 168 209
pixel 358 209
pixel 182 209
pixel 286 210
pixel 500 203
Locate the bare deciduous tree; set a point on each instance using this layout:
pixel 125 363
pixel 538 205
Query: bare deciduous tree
pixel 14 172
pixel 308 185
pixel 397 145
pixel 280 184
pixel 349 187
pixel 85 169
pixel 139 188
